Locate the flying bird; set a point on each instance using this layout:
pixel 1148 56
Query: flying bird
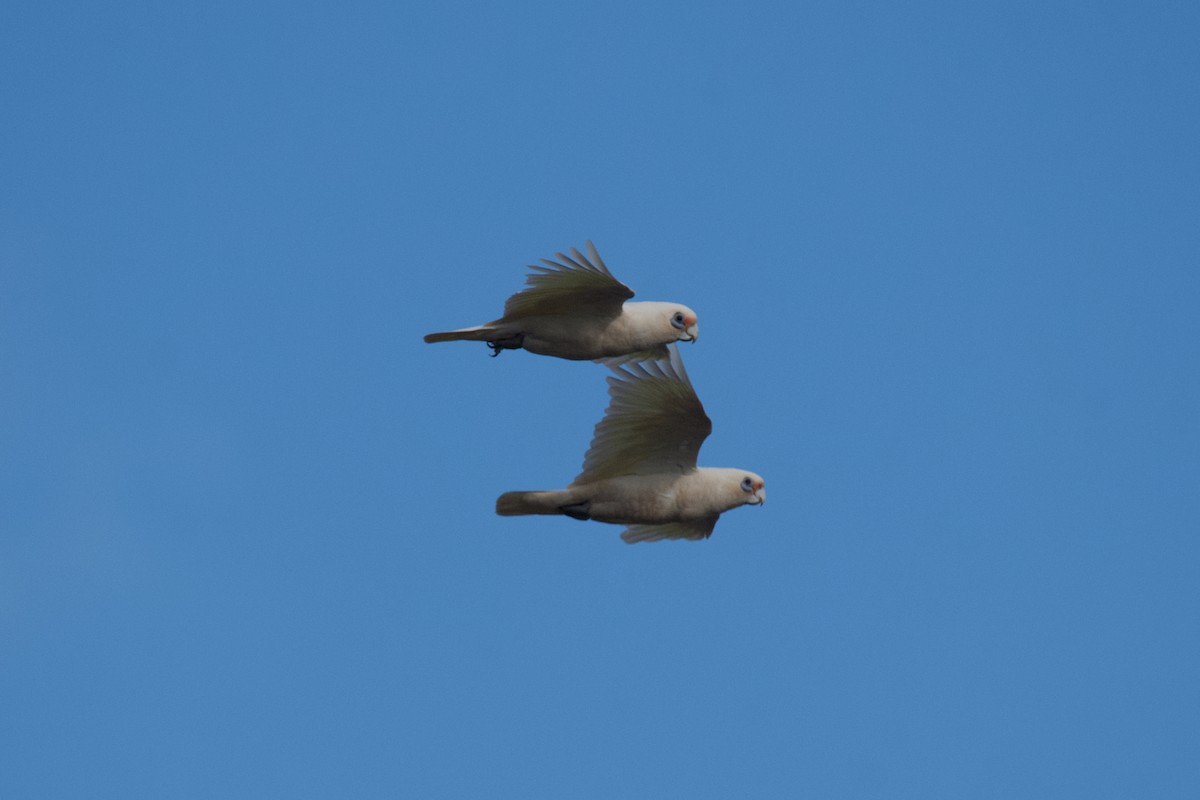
pixel 641 468
pixel 574 308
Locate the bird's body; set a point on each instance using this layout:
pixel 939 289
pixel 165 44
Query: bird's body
pixel 641 468
pixel 638 499
pixel 577 310
pixel 581 337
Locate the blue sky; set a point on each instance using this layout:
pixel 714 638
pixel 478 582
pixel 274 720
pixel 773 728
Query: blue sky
pixel 947 265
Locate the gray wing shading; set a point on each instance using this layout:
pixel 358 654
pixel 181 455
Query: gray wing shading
pixel 692 529
pixel 573 285
pixel 654 423
pixel 656 354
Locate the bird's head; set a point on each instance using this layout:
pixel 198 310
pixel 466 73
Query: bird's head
pixel 652 323
pixel 684 323
pixel 726 488
pixel 753 489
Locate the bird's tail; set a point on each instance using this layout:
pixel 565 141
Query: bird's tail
pixel 515 504
pixel 480 333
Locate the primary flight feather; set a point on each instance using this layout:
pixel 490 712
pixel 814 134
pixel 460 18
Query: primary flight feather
pixel 574 308
pixel 640 470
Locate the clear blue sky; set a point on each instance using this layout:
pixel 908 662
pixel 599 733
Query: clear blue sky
pixel 947 263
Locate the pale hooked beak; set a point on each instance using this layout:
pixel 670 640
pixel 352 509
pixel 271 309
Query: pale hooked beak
pixel 759 497
pixel 692 331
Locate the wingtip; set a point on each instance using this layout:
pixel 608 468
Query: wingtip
pixel 674 361
pixel 595 255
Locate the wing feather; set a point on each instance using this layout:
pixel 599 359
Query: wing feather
pixel 612 362
pixel 654 423
pixel 574 285
pixel 690 529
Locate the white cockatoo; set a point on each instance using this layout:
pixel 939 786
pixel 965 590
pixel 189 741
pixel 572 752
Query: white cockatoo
pixel 641 468
pixel 574 308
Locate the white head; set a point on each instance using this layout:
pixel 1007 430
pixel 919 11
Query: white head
pixel 727 488
pixel 753 488
pixel 667 322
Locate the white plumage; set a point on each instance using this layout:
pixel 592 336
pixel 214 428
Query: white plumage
pixel 575 309
pixel 640 470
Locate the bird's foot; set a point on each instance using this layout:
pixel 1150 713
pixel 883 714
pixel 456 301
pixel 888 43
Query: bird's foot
pixel 511 343
pixel 581 511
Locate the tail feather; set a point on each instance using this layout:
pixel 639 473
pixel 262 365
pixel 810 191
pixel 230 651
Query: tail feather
pixel 480 333
pixel 515 504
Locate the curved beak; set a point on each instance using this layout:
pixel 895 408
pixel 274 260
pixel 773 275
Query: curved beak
pixel 759 497
pixel 693 332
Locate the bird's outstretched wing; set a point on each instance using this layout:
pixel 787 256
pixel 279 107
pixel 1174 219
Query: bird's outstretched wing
pixel 691 529
pixel 654 423
pixel 574 285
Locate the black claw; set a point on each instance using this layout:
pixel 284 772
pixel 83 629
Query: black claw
pixel 511 343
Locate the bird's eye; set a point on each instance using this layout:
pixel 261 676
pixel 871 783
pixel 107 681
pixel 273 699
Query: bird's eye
pixel 677 320
pixel 747 484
